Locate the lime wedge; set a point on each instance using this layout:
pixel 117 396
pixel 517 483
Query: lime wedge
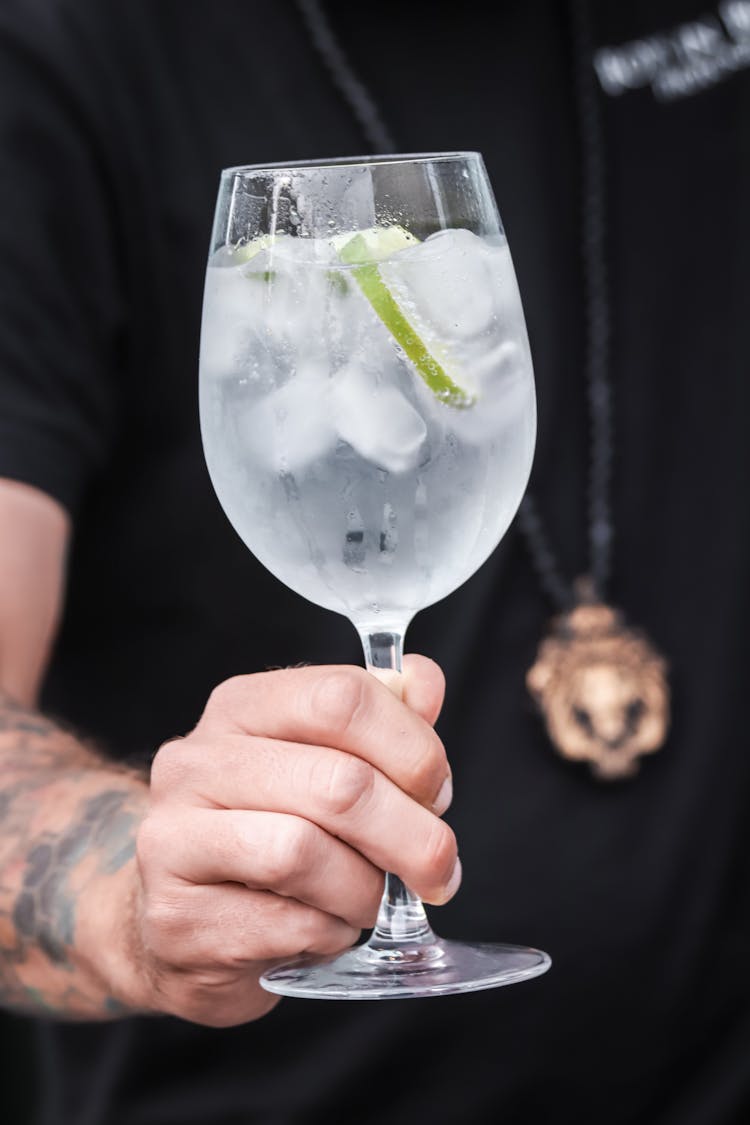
pixel 247 250
pixel 373 244
pixel 363 251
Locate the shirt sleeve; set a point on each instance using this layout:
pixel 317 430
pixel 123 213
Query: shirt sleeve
pixel 60 294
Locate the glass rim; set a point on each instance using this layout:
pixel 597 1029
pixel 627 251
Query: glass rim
pixel 354 162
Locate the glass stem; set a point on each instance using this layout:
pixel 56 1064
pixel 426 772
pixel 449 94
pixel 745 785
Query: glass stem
pixel 402 921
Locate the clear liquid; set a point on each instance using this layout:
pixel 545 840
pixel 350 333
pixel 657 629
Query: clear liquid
pixel 338 466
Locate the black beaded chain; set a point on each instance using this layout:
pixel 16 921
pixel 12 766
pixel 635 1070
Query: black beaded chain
pixel 378 136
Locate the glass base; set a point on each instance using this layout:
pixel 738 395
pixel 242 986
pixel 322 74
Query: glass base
pixel 435 968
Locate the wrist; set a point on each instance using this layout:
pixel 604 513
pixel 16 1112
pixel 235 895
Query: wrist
pixel 109 945
pixel 108 932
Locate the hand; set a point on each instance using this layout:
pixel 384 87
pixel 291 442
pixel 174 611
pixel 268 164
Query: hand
pixel 271 824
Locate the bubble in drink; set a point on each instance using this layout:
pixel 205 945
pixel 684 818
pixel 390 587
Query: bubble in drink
pixel 368 422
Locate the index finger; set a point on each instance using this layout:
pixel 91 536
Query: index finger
pixel 342 707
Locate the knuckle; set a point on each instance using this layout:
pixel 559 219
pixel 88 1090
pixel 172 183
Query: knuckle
pixel 287 928
pixel 149 841
pixel 224 695
pixel 272 929
pixel 163 923
pixel 310 928
pixel 177 766
pixel 342 784
pixel 186 766
pixel 167 766
pixel 291 852
pixel 316 932
pixel 338 697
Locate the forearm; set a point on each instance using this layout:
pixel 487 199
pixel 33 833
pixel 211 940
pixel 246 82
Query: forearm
pixel 67 847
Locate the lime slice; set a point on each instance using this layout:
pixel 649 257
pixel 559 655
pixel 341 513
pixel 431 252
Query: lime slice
pixel 363 251
pixel 373 244
pixel 247 250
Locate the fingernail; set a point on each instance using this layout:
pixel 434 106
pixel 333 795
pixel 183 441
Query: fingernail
pixel 454 882
pixel 444 797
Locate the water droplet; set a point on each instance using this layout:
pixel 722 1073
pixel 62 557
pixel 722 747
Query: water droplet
pixel 388 534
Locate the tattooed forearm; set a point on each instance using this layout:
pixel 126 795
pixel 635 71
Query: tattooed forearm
pixel 67 828
pixel 44 910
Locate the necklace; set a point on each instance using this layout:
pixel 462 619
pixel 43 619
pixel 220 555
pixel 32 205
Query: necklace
pixel 599 684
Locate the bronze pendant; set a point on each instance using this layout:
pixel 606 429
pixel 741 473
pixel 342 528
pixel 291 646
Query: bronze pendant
pixel 602 689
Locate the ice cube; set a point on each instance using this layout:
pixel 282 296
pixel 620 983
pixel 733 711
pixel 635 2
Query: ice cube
pixel 299 293
pixel 446 282
pixel 229 320
pixel 291 427
pixel 376 420
pixel 266 314
pixel 496 365
pixel 462 297
pixel 270 282
pixel 506 402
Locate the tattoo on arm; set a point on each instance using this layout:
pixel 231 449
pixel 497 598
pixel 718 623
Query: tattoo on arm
pixel 66 817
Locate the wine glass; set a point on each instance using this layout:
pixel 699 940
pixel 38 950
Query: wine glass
pixel 368 420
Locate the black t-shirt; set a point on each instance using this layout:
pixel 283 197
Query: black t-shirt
pixel 115 119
